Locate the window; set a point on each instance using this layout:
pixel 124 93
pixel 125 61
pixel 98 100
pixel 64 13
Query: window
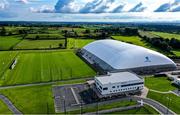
pixel 132 84
pixel 113 86
pixel 105 88
pixel 100 87
pixel 117 86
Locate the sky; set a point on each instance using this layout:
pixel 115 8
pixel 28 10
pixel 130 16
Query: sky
pixel 90 10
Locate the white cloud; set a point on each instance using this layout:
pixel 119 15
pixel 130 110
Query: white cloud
pixel 22 1
pixel 42 9
pixel 3 4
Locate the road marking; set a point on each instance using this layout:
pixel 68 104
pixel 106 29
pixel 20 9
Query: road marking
pixel 75 96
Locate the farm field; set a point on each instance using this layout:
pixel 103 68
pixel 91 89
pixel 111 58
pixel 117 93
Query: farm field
pixel 137 41
pixel 156 83
pixel 29 100
pixel 176 52
pixel 8 42
pixel 44 36
pixel 4 108
pixel 130 39
pixel 78 43
pixel 39 44
pixel 166 35
pixel 6 59
pixel 143 110
pixel 174 101
pixel 45 67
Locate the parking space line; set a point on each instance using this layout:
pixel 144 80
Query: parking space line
pixel 75 96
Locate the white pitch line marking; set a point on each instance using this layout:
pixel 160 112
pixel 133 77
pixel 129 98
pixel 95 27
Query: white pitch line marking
pixel 75 96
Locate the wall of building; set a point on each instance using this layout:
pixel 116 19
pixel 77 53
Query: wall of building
pixel 119 87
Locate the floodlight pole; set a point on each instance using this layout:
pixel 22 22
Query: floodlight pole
pixel 81 108
pixel 97 107
pixel 168 104
pixel 64 101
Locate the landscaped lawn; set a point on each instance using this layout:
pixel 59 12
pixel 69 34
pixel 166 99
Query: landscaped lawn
pixel 143 110
pixel 31 100
pixel 167 35
pixel 167 99
pixel 6 59
pixel 39 44
pixel 159 83
pixel 8 42
pixel 104 106
pixel 78 43
pixel 46 66
pixel 4 108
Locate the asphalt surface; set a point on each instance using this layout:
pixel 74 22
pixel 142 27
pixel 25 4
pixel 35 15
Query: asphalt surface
pixel 62 93
pixel 9 104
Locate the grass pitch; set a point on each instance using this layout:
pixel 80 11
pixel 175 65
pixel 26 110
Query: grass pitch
pixel 39 44
pixel 6 59
pixel 45 67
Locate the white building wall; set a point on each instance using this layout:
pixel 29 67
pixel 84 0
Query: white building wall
pixel 117 87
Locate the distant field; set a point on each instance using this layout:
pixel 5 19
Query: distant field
pixel 131 39
pixel 137 41
pixel 7 42
pixel 156 83
pixel 46 66
pixel 4 108
pixel 6 59
pixel 164 99
pixel 167 35
pixel 176 52
pixel 44 36
pixel 39 44
pixel 31 100
pixel 78 43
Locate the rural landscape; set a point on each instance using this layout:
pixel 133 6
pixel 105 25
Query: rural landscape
pixel 46 57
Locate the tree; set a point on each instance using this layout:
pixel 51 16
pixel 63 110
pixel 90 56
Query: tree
pixel 60 45
pixel 3 31
pixel 37 37
pixel 87 31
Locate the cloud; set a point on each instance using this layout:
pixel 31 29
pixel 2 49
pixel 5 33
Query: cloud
pixel 22 1
pixel 90 6
pixel 42 9
pixel 3 4
pixel 66 6
pixel 97 6
pixel 138 8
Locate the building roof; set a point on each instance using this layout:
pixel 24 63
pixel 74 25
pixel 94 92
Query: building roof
pixel 120 55
pixel 118 78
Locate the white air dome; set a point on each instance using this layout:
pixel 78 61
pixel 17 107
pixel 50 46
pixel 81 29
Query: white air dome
pixel 120 55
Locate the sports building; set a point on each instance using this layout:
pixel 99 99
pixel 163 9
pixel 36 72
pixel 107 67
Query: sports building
pixel 122 82
pixel 116 56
